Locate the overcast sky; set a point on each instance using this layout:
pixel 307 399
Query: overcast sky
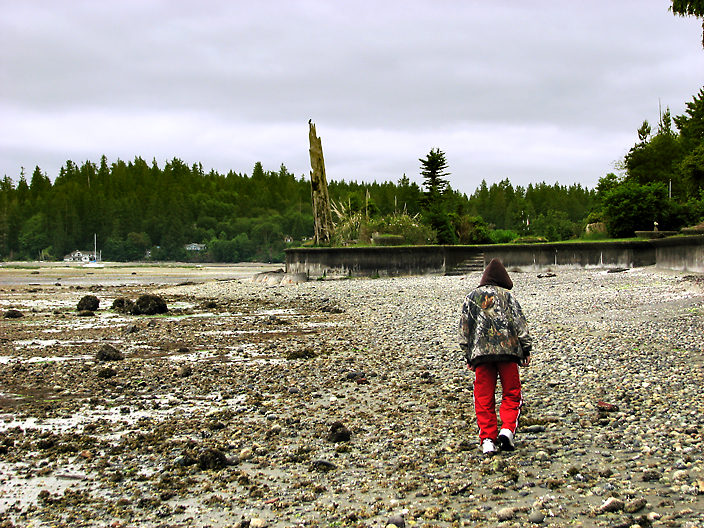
pixel 531 91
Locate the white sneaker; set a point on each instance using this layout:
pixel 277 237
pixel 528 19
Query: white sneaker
pixel 506 440
pixel 488 447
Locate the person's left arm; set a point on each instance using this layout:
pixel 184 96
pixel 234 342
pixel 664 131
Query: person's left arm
pixel 521 328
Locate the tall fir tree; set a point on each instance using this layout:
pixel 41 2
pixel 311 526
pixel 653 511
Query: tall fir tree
pixel 434 171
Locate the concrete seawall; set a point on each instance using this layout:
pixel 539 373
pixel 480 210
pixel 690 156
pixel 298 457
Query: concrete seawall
pixel 676 253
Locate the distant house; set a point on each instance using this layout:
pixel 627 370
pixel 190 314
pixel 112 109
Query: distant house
pixel 79 256
pixel 195 247
pixel 288 239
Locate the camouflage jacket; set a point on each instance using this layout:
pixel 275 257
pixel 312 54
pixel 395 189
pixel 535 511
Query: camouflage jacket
pixel 493 327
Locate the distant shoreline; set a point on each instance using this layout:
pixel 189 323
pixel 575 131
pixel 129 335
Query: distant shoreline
pixel 17 274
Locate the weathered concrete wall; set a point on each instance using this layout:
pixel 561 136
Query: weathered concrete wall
pixel 578 255
pixel 365 262
pixel 678 253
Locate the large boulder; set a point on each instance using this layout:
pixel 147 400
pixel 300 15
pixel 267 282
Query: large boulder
pixel 88 303
pixel 149 304
pixel 123 305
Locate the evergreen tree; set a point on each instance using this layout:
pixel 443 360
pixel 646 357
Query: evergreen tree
pixel 39 185
pixel 657 158
pixel 434 171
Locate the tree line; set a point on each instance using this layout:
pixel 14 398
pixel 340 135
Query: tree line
pixel 139 210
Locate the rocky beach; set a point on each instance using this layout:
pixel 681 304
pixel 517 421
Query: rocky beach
pixel 344 403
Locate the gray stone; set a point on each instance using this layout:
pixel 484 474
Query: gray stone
pixel 505 514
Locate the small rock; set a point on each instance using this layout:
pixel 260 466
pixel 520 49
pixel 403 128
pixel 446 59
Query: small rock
pixel 533 429
pixel 13 314
pixel 184 371
pixel 651 475
pixel 108 352
pixel 536 517
pixel 635 505
pixel 246 454
pixel 305 353
pixel 275 429
pixel 216 426
pixel 106 373
pixel 258 522
pixel 680 475
pixel 612 504
pixel 606 407
pixel 322 465
pixel 339 433
pixel 397 520
pixel 212 458
pixel 86 313
pixel 505 514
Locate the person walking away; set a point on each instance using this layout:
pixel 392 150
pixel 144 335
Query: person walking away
pixel 493 334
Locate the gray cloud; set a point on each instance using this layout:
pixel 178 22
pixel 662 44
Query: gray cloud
pixel 534 91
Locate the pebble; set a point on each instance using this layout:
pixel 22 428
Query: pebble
pixel 611 504
pixel 397 520
pixel 505 514
pixel 635 505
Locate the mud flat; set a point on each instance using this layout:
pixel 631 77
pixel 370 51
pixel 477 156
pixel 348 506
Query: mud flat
pixel 346 403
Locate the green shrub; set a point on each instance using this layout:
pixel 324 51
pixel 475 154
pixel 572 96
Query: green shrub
pixel 503 236
pixel 530 240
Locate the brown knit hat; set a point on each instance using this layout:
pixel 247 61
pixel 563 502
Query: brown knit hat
pixel 496 275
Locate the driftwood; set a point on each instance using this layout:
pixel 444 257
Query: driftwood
pixel 319 190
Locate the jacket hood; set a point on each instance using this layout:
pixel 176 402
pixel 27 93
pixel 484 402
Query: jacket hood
pixel 496 275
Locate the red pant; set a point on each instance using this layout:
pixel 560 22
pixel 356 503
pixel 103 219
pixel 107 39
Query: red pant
pixel 485 401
